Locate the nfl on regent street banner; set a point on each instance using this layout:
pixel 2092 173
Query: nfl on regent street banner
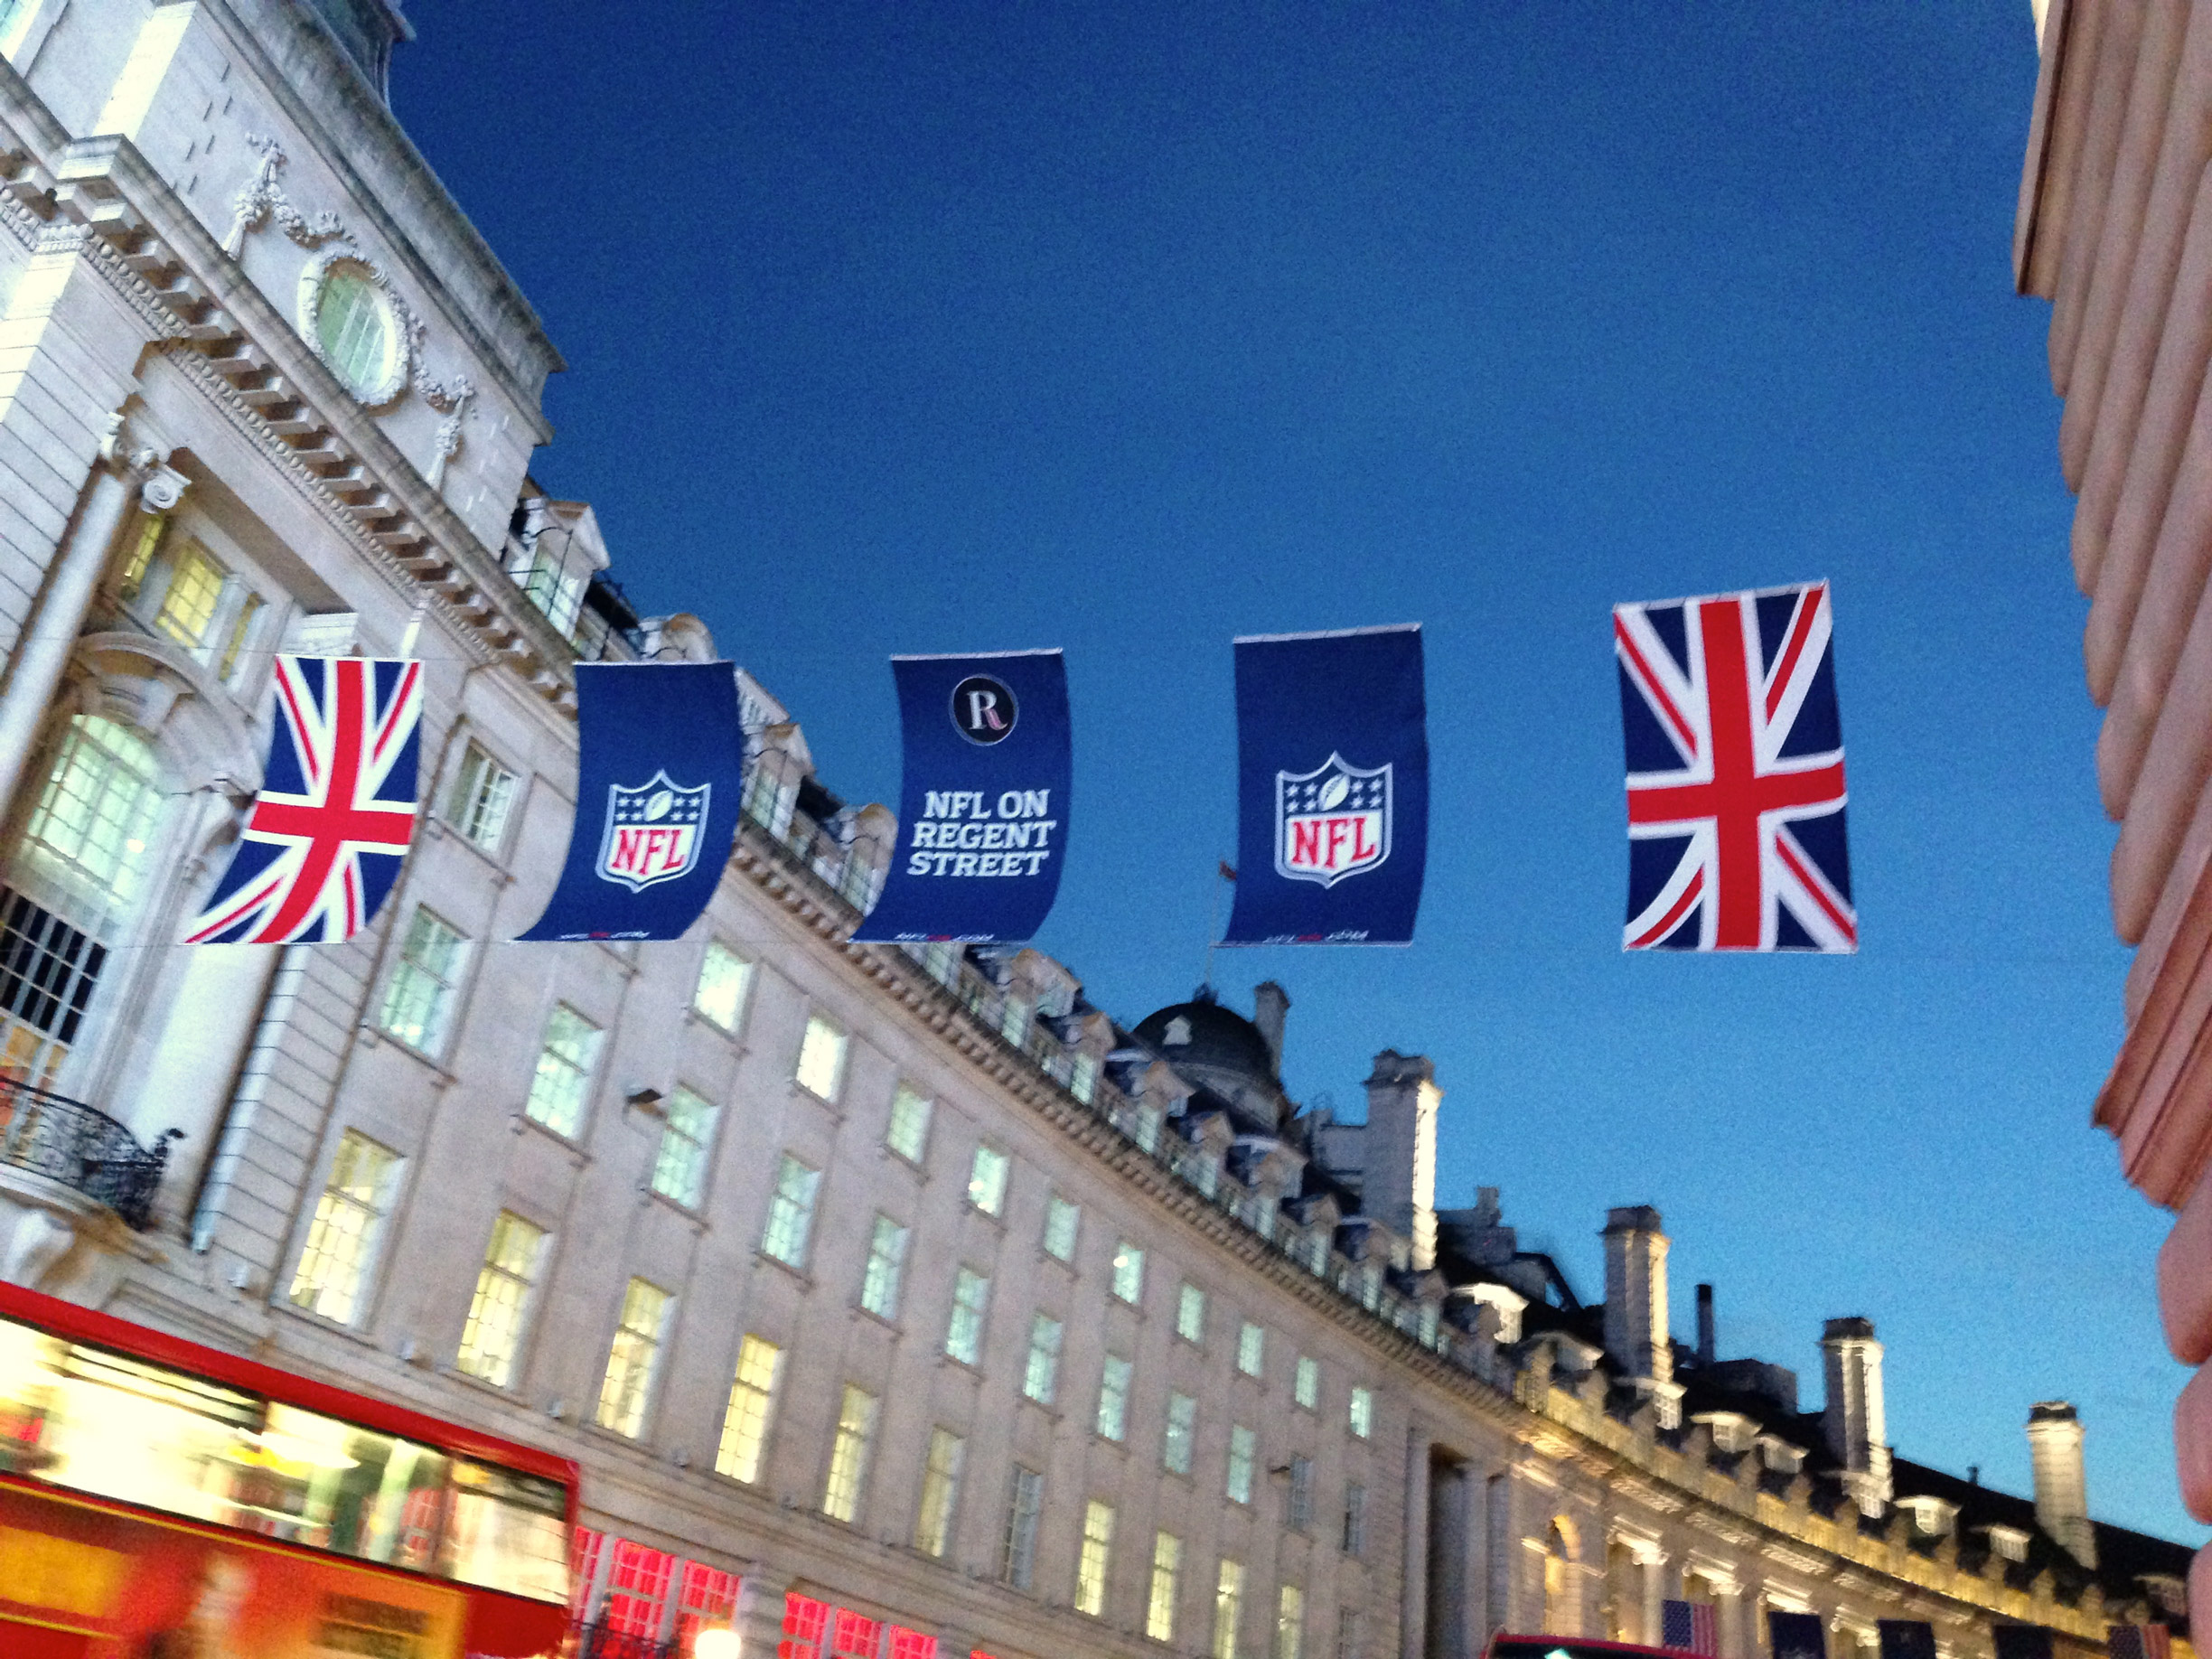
pixel 1332 787
pixel 660 772
pixel 1735 789
pixel 983 809
pixel 327 833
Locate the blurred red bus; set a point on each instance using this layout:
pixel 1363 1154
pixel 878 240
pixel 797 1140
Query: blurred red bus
pixel 160 1500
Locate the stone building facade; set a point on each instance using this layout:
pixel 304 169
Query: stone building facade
pixel 886 1298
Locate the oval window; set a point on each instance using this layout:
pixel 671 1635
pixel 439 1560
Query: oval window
pixel 353 327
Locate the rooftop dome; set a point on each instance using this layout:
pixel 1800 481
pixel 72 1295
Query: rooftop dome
pixel 1201 1036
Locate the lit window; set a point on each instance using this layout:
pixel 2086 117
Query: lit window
pixel 707 1601
pixel 1061 1220
pixel 195 589
pixel 630 1362
pixel 854 1636
pixel 1289 1622
pixel 1041 1376
pixel 964 1333
pixel 1113 1400
pixel 563 1078
pixel 1128 1272
pixel 1082 1081
pixel 791 1213
pixel 1297 1508
pixel 1228 1608
pixel 1354 1519
pixel 85 850
pixel 235 637
pixel 821 1058
pixel 1090 1565
pixel 908 1134
pixel 687 1135
pixel 493 1334
pixel 637 1586
pixel 354 334
pixel 987 1180
pixel 483 794
pixel 418 999
pixel 1242 1445
pixel 724 978
pixel 1251 1349
pixel 1306 1388
pixel 143 548
pixel 879 1285
pixel 1181 1431
pixel 941 1474
pixel 1190 1313
pixel 1024 1502
pixel 343 1239
pixel 805 1622
pixel 752 1401
pixel 849 1455
pixel 1362 1412
pixel 1160 1604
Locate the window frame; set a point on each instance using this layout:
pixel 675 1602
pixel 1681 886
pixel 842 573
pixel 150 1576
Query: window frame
pixel 997 1185
pixel 384 1198
pixel 646 1391
pixel 802 1246
pixel 454 815
pixel 842 1064
pixel 525 1304
pixel 445 1009
pixel 583 1076
pixel 901 1092
pixel 1057 1205
pixel 749 977
pixel 892 1280
pixel 765 1393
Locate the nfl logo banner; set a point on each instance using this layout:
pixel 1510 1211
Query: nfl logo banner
pixel 1332 788
pixel 1800 1635
pixel 660 772
pixel 1736 792
pixel 983 808
pixel 324 838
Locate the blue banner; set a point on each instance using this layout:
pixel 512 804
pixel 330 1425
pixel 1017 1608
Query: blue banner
pixel 983 811
pixel 1332 788
pixel 660 776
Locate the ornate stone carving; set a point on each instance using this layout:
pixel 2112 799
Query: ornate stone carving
pixel 263 199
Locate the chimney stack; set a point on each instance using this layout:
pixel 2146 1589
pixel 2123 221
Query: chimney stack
pixel 1705 1327
pixel 1637 1334
pixel 1270 1002
pixel 2061 1488
pixel 1399 1184
pixel 1853 1419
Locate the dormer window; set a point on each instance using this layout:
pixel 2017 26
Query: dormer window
pixel 1780 1456
pixel 1178 1033
pixel 1931 1516
pixel 2010 1543
pixel 1731 1432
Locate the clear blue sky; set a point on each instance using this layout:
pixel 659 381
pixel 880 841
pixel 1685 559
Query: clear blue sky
pixel 944 327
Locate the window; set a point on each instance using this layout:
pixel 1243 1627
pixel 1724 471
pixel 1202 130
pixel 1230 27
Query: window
pixel 1347 1632
pixel 941 1474
pixel 708 1600
pixel 1242 1445
pixel 493 1334
pixel 152 525
pixel 987 1180
pixel 1354 1519
pixel 1024 1502
pixel 1097 1552
pixel 1082 1079
pixel 1362 1412
pixel 418 999
pixel 1129 1272
pixel 911 1643
pixel 1289 1622
pixel 632 1358
pixel 353 335
pixel 724 978
pixel 482 793
pixel 908 1135
pixel 1041 1377
pixel 1307 1389
pixel 1190 1313
pixel 1298 1502
pixel 853 1635
pixel 341 1240
pixel 1160 1604
pixel 821 1058
pixel 85 849
pixel 195 589
pixel 752 1399
pixel 1181 1431
pixel 1061 1220
pixel 687 1133
pixel 849 1456
pixel 1113 1400
pixel 241 629
pixel 637 1586
pixel 805 1622
pixel 1251 1349
pixel 791 1213
pixel 1228 1604
pixel 879 1283
pixel 563 1078
pixel 964 1332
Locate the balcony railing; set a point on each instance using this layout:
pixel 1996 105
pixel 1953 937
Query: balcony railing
pixel 69 1142
pixel 601 1641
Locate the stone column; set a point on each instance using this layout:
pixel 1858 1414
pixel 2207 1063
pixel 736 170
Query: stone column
pixel 1653 1560
pixel 760 1611
pixel 1413 1578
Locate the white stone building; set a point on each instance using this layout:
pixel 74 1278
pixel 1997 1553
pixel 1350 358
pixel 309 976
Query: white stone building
pixel 885 1299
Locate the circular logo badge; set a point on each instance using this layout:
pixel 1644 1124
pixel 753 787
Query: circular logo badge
pixel 983 708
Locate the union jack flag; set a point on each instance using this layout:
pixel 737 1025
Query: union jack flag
pixel 325 837
pixel 1690 1628
pixel 1736 792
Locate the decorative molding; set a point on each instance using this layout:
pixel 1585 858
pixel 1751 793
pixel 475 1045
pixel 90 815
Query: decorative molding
pixel 262 198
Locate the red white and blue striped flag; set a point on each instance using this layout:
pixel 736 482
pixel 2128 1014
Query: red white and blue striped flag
pixel 1690 1628
pixel 1735 774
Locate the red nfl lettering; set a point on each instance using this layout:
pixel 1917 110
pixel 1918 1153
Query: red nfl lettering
pixel 1331 822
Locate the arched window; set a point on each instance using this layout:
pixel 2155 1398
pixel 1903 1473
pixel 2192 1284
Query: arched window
pixel 73 885
pixel 1563 1587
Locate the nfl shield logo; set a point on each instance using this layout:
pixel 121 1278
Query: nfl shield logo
pixel 1331 822
pixel 652 832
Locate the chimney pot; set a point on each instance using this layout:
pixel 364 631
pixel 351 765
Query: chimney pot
pixel 1271 1003
pixel 1705 1325
pixel 1853 1419
pixel 2061 1487
pixel 1398 1187
pixel 1636 1332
